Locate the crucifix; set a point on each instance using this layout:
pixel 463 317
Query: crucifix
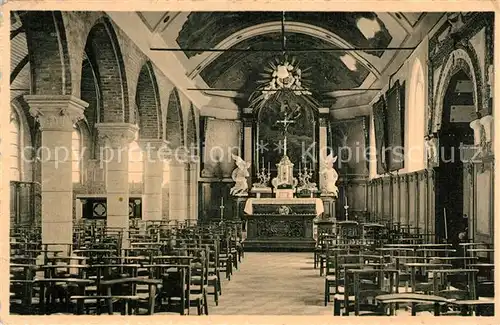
pixel 286 123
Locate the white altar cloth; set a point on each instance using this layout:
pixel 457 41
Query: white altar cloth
pixel 275 201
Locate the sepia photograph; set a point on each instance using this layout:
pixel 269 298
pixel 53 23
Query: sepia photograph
pixel 319 163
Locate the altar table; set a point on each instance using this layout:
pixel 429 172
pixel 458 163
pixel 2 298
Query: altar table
pixel 275 224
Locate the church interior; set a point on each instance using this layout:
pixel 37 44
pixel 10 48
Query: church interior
pixel 238 163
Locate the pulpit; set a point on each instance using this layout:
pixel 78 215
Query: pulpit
pixel 275 224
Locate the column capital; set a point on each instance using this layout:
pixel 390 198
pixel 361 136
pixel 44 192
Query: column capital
pixel 117 135
pixel 152 144
pixel 56 112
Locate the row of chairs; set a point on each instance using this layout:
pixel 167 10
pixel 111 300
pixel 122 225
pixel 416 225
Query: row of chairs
pixel 371 274
pixel 161 270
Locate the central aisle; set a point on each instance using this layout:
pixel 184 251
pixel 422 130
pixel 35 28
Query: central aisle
pixel 273 284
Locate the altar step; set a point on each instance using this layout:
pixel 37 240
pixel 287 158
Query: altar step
pixel 278 245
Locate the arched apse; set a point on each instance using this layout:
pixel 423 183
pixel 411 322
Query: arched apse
pixel 415 150
pixel 148 104
pixel 104 54
pixel 174 124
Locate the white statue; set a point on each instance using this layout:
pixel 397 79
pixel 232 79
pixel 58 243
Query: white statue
pixel 240 175
pixel 431 144
pixel 329 176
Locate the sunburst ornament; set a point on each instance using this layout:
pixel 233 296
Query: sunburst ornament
pixel 281 75
pixel 286 75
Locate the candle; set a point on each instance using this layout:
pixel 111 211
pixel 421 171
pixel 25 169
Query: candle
pixel 263 162
pixel 345 199
pixel 300 166
pixel 445 225
pixel 268 166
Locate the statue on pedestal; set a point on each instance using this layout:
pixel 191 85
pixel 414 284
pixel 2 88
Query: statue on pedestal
pixel 240 175
pixel 330 177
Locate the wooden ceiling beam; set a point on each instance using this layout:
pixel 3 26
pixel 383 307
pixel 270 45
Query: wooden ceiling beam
pixel 354 49
pixel 321 91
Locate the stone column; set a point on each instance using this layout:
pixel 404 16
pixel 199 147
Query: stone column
pixel 178 190
pixel 153 178
pixel 323 143
pixel 193 189
pixel 117 137
pixel 248 147
pixel 56 114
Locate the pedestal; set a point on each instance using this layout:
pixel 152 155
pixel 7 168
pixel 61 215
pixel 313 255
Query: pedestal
pixel 326 222
pixel 239 207
pixel 329 206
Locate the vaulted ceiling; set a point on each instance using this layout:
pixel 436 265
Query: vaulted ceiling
pixel 346 53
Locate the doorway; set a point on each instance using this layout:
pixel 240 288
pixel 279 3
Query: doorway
pixel 454 135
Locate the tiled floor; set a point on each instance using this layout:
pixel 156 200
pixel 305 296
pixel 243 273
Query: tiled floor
pixel 273 284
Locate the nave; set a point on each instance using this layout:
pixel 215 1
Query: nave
pixel 355 148
pixel 356 269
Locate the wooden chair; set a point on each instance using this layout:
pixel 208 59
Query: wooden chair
pixel 126 291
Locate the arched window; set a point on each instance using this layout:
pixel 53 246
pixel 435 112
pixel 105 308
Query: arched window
pixel 415 149
pixel 135 162
pixel 15 147
pixel 76 149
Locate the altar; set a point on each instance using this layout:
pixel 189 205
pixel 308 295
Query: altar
pixel 296 177
pixel 275 224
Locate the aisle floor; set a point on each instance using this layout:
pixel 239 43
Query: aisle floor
pixel 273 284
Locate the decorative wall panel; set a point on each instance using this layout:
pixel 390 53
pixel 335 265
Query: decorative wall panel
pixel 222 138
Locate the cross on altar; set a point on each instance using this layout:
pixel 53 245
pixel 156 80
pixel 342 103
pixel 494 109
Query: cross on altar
pixel 286 123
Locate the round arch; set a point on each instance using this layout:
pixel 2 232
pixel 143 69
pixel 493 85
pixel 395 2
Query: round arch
pixel 458 60
pixel 103 52
pixel 272 27
pixel 48 48
pixel 148 104
pixel 174 123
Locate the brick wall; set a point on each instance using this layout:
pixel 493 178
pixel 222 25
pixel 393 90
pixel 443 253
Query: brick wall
pixel 148 104
pixel 45 31
pixel 174 121
pixel 115 78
